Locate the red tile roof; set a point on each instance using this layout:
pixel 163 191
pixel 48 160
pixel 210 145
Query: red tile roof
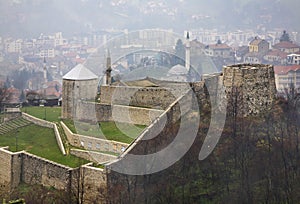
pixel 53 84
pixel 256 41
pixel 13 95
pixel 50 92
pixel 286 69
pixel 285 44
pixel 71 54
pixel 219 46
pixel 277 53
pixel 79 60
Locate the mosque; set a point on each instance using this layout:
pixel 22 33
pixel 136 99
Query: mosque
pixel 81 84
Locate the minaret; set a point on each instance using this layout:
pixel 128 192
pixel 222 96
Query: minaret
pixel 187 52
pixel 108 69
pixel 45 71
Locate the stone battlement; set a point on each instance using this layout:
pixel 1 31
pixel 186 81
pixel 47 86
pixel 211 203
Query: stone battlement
pixel 249 90
pixel 250 87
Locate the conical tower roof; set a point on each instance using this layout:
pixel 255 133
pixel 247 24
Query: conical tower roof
pixel 80 72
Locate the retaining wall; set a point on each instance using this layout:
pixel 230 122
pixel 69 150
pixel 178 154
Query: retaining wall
pixel 9 170
pixel 93 143
pixel 95 157
pixel 37 170
pixel 84 182
pixel 95 185
pixel 47 124
pixel 155 138
pixel 89 111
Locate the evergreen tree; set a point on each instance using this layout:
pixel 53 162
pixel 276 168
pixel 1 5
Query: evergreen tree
pixel 179 53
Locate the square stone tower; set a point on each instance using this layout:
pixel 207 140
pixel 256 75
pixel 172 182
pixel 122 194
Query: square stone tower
pixel 250 88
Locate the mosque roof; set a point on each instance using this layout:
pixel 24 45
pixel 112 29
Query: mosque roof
pixel 178 70
pixel 80 72
pixel 146 82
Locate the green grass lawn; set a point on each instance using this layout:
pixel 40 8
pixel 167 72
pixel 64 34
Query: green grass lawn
pixel 108 130
pixel 39 141
pixel 51 114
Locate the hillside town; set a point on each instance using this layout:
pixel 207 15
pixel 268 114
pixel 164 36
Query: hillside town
pixel 160 101
pixel 35 66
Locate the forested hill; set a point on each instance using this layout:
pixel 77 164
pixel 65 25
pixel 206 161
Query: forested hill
pixel 256 160
pixel 25 18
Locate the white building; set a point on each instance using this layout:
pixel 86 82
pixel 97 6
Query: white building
pixel 47 52
pixel 13 46
pixel 293 59
pixel 287 75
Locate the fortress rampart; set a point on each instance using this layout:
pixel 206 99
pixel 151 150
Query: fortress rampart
pixel 249 89
pixel 30 169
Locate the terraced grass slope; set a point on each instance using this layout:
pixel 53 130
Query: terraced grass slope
pixel 39 141
pixel 13 125
pixel 20 134
pixel 121 132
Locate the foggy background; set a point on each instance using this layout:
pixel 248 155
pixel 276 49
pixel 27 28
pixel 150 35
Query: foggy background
pixel 28 18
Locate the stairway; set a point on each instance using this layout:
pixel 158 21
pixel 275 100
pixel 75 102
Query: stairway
pixel 13 125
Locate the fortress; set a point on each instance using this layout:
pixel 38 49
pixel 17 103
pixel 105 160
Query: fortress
pixel 161 105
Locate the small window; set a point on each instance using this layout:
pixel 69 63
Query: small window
pixel 98 146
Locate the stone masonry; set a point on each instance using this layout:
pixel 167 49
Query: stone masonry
pixel 250 87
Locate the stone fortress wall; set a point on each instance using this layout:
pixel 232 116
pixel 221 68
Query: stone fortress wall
pixel 253 85
pixel 153 139
pixel 89 111
pixel 149 97
pixel 9 170
pixel 22 167
pixel 257 81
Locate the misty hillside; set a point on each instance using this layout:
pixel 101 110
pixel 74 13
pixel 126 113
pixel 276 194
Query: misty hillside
pixel 31 17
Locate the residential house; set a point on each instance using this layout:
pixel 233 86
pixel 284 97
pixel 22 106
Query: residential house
pixel 33 98
pixel 258 45
pixel 257 50
pixel 288 47
pixel 219 50
pixel 275 57
pixel 254 57
pixel 240 52
pixel 12 98
pixel 47 52
pixel 285 76
pixel 48 96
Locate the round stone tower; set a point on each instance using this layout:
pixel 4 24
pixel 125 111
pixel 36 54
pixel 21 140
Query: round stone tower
pixel 78 84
